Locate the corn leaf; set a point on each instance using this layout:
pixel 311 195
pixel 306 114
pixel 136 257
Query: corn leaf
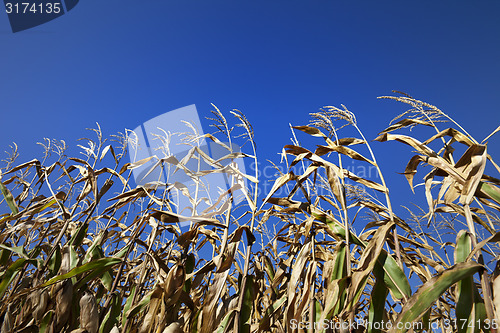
pixel 9 199
pixel 99 264
pixel 429 293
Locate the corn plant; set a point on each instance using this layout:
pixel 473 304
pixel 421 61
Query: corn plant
pixel 83 249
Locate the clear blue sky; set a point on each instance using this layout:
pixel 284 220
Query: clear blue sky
pixel 122 62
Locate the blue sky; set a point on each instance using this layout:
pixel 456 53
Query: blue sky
pixel 122 62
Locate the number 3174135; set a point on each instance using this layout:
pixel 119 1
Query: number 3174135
pixel 32 8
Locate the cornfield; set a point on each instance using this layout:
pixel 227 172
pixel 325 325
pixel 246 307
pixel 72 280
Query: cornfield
pixel 85 250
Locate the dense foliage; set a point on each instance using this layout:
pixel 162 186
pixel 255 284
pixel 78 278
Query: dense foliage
pixel 84 249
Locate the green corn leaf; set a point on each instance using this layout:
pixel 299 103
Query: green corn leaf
pixel 480 313
pixel 4 257
pixel 429 293
pixel 394 277
pixel 491 191
pixel 9 199
pixel 100 273
pixel 340 265
pixel 463 247
pixel 339 230
pixel 269 268
pixel 470 307
pixel 225 322
pixel 339 274
pixel 79 235
pixel 128 304
pixel 194 328
pixel 190 263
pixel 318 310
pixel 189 267
pixel 105 276
pixel 11 272
pixel 55 260
pixel 265 323
pixel 246 308
pixel 91 251
pixel 336 295
pixel 73 257
pixel 141 305
pixel 379 294
pixel 45 206
pixel 44 324
pixel 113 315
pixel 90 266
pixel 122 252
pixel 465 288
pixel 19 250
pixel 426 321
